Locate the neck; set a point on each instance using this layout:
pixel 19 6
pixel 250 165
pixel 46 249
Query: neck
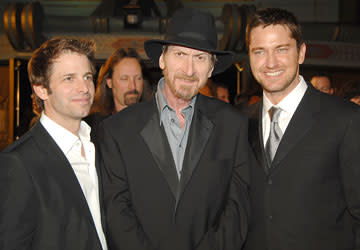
pixel 118 107
pixel 70 124
pixel 276 97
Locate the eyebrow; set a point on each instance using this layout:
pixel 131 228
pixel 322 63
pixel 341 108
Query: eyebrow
pixel 186 53
pixel 68 74
pixel 202 53
pixel 278 46
pixel 283 45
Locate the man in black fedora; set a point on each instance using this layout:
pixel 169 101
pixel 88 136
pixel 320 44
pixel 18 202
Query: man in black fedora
pixel 177 167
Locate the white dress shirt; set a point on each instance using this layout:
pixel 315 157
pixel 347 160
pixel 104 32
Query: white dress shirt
pixel 84 167
pixel 288 105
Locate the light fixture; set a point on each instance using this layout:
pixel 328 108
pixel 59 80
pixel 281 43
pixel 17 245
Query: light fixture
pixel 132 15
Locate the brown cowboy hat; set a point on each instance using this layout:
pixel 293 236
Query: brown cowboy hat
pixel 194 29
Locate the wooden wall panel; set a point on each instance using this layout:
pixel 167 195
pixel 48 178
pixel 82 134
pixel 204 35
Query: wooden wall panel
pixel 6 110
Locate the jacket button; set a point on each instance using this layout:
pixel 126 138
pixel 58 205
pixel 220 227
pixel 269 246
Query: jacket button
pixel 270 217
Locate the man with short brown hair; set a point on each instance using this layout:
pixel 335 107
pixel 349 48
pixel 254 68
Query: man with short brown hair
pixel 305 191
pixel 49 187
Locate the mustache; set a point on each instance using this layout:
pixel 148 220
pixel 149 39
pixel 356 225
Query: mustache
pixel 134 91
pixel 186 77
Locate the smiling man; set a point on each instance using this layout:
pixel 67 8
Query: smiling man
pixel 177 167
pixel 305 189
pixel 49 187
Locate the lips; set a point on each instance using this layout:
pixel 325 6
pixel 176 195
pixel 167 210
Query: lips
pixel 188 81
pixel 82 100
pixel 275 73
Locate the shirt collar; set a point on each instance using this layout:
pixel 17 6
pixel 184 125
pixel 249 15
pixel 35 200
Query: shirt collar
pixel 162 104
pixel 63 137
pixel 290 102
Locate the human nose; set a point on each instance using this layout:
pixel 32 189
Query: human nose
pixel 132 83
pixel 189 66
pixel 271 60
pixel 84 85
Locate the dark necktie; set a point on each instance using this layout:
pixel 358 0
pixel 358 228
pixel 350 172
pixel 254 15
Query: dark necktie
pixel 275 134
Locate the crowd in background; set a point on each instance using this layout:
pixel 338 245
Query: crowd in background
pixel 104 168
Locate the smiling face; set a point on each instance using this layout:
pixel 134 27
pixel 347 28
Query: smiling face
pixel 274 60
pixel 71 89
pixel 185 71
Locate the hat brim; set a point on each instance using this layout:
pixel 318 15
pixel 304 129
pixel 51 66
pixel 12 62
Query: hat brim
pixel 153 49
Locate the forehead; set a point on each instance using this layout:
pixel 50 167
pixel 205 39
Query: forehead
pixel 126 63
pixel 270 35
pixel 321 80
pixel 70 62
pixel 187 50
pixel 68 57
pixel 222 91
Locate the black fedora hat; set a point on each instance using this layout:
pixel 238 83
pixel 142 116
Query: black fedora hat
pixel 194 29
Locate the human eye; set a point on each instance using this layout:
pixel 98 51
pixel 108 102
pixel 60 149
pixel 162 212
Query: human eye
pixel 89 77
pixel 124 78
pixel 201 58
pixel 258 52
pixel 68 78
pixel 179 53
pixel 282 49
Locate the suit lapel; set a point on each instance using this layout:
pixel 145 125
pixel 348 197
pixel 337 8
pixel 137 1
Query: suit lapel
pixel 256 136
pixel 156 140
pixel 299 125
pixel 62 169
pixel 99 174
pixel 200 131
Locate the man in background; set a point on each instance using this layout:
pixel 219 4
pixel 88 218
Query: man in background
pixel 120 82
pixel 222 92
pixel 119 85
pixel 323 83
pixel 217 90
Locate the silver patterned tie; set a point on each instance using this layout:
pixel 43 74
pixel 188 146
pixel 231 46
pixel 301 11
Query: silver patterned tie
pixel 275 134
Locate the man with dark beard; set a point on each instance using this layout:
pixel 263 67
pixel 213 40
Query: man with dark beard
pixel 120 84
pixel 176 168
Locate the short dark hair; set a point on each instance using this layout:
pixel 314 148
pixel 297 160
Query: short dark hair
pixel 351 89
pixel 41 62
pixel 275 16
pixel 104 99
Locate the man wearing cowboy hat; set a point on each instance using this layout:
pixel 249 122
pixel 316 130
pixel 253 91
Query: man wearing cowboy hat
pixel 176 169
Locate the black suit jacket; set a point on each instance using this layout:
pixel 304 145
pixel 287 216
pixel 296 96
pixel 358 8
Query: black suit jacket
pixel 149 208
pixel 310 197
pixel 42 204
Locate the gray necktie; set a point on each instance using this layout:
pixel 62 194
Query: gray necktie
pixel 275 134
